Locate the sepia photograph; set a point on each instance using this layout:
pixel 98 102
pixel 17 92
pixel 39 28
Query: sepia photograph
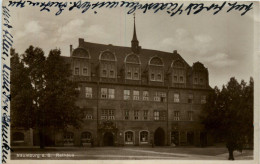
pixel 128 81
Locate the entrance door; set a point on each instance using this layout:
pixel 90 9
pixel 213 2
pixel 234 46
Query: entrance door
pixel 190 138
pixel 108 139
pixel 159 137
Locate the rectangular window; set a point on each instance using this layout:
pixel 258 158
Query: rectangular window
pixel 76 71
pixel 107 114
pixel 135 95
pixel 78 88
pixel 203 99
pixel 175 78
pixel 88 91
pixel 136 113
pixel 104 73
pixel 104 93
pixel 88 114
pixel 162 115
pixel 145 95
pixel 159 77
pixel 190 98
pixel 85 71
pixel 156 115
pixel 129 75
pixel 160 96
pixel 111 93
pixel 136 76
pixel 126 94
pixel 176 116
pixel 145 114
pixel 127 115
pixel 152 77
pixel 195 80
pixel 159 115
pixel 181 79
pixel 190 115
pixel 176 97
pixel 111 73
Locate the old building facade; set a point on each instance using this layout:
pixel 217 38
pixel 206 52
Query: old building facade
pixel 135 96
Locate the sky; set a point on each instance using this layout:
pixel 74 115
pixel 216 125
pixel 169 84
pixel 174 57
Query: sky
pixel 224 43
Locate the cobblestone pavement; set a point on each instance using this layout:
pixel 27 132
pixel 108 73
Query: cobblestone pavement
pixel 127 153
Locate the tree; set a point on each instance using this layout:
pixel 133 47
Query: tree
pixel 228 114
pixel 21 89
pixel 52 94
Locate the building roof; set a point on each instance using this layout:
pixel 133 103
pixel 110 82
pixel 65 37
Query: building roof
pixel 120 52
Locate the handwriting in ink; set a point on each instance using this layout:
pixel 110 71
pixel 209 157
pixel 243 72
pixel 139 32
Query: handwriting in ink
pixel 171 8
pixel 6 96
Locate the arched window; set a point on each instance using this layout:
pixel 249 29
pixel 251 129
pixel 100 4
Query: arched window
pixel 86 137
pixel 144 137
pixel 107 55
pixel 156 61
pixel 129 137
pixel 81 53
pixel 68 138
pixel 132 58
pixel 18 137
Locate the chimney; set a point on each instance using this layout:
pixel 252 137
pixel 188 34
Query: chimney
pixel 71 49
pixel 175 51
pixel 81 42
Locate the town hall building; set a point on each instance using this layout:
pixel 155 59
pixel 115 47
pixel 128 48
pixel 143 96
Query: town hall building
pixel 135 96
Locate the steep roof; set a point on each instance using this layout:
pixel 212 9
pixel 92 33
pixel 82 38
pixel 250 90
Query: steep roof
pixel 145 55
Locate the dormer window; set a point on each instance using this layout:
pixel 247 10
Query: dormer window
pixel 132 67
pixel 156 69
pixel 108 64
pixel 178 71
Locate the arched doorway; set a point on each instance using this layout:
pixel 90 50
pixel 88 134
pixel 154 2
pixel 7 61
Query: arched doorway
pixel 108 139
pixel 159 137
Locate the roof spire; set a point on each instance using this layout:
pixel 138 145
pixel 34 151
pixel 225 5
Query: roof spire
pixel 135 42
pixel 134 35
